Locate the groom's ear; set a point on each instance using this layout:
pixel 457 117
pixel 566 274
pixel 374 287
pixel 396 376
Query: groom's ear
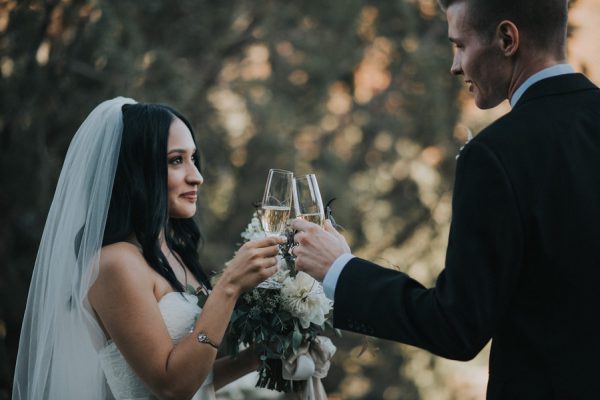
pixel 508 38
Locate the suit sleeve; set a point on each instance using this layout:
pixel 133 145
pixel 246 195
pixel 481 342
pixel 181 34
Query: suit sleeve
pixel 457 317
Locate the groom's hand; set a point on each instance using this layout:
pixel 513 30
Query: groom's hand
pixel 317 247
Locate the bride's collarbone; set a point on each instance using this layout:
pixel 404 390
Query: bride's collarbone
pixel 163 287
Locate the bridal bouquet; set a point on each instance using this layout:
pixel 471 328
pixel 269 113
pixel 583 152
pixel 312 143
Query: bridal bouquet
pixel 285 319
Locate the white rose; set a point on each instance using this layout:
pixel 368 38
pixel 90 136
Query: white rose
pixel 303 297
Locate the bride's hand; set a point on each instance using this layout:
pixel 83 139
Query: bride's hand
pixel 254 262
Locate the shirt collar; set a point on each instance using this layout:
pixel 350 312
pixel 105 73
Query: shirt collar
pixel 555 70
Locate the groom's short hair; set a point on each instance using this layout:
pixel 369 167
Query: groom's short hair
pixel 544 21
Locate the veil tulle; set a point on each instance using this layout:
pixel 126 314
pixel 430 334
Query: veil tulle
pixel 57 356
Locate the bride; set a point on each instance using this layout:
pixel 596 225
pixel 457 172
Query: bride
pixel 108 314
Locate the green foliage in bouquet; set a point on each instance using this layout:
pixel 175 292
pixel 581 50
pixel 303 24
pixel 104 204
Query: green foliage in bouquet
pixel 260 319
pixel 278 318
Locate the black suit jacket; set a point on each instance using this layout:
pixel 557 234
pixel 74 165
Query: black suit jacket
pixel 523 260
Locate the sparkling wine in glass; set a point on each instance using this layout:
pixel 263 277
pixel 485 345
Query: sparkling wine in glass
pixel 307 199
pixel 275 210
pixel 277 202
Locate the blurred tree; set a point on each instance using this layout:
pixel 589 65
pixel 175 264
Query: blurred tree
pixel 356 91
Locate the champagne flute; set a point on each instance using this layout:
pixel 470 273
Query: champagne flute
pixel 277 202
pixel 307 199
pixel 275 210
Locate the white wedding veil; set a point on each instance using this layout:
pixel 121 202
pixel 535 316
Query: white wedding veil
pixel 60 337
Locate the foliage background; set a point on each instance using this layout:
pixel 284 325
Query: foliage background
pixel 356 91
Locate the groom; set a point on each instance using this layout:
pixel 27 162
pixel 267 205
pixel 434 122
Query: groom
pixel 523 260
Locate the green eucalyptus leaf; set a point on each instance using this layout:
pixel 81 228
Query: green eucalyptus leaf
pixel 296 339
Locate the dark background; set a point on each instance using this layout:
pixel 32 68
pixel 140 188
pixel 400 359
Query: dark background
pixel 356 91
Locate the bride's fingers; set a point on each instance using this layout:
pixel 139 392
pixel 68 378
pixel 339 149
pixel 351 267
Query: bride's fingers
pixel 266 251
pixel 269 271
pixel 266 242
pixel 270 262
pixel 260 264
pixel 257 252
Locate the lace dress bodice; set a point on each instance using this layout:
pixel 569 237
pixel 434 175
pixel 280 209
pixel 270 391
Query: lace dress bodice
pixel 179 311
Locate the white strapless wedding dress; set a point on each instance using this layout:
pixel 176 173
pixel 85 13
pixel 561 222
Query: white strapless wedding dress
pixel 179 311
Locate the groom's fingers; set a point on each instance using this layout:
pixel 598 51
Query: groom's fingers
pixel 300 252
pixel 299 224
pixel 301 238
pixel 341 239
pixel 303 229
pixel 328 226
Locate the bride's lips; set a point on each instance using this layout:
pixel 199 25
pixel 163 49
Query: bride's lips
pixel 190 196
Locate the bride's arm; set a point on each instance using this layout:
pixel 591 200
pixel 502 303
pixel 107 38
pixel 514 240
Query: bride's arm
pixel 123 298
pixel 228 369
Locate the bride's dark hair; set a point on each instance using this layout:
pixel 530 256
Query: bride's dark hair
pixel 139 201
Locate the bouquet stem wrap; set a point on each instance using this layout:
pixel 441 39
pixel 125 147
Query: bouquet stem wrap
pixel 310 364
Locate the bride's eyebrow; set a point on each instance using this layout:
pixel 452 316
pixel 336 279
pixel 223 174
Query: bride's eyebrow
pixel 191 150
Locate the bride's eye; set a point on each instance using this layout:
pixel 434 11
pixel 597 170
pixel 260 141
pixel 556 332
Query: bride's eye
pixel 176 160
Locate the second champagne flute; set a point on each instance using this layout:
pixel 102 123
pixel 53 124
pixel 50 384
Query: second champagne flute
pixel 307 199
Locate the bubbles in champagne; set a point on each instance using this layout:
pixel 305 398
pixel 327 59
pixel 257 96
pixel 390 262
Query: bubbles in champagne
pixel 274 219
pixel 316 218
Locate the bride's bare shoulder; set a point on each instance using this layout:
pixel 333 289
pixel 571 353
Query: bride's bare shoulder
pixel 118 250
pixel 123 259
